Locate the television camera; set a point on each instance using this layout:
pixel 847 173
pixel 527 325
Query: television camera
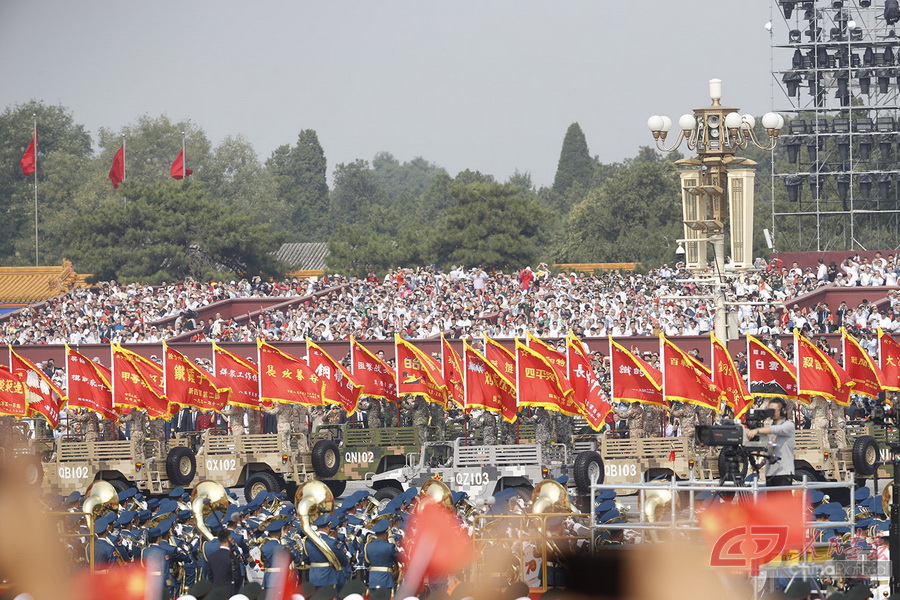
pixel 731 436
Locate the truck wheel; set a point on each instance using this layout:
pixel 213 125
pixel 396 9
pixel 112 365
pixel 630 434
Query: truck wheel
pixel 120 485
pixel 736 457
pixel 588 466
pixel 337 486
pixel 181 465
pixel 326 459
pixel 32 470
pixel 865 455
pixel 387 493
pixel 259 483
pixel 811 474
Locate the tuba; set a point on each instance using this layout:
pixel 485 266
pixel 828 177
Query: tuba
pixel 550 496
pixel 887 496
pixel 100 498
pixel 436 491
pixel 657 505
pixel 207 497
pixel 313 498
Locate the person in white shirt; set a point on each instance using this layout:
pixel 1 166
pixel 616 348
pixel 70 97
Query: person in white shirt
pixel 821 271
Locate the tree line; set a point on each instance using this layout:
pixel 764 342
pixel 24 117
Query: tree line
pixel 229 217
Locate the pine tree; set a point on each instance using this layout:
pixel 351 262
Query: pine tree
pixel 575 163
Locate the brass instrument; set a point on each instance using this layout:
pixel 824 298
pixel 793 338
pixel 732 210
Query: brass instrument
pixel 550 496
pixel 887 496
pixel 657 505
pixel 100 498
pixel 206 497
pixel 435 490
pixel 313 498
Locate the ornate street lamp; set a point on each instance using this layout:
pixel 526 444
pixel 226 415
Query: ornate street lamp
pixel 716 184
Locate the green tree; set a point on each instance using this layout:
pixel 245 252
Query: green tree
pixel 575 164
pixel 355 194
pixel 63 159
pixel 299 172
pixel 410 178
pixel 170 230
pixel 489 224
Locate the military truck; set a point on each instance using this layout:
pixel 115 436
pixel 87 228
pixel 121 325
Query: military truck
pixel 483 470
pixel 364 451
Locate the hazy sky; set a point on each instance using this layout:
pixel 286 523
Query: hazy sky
pixel 483 84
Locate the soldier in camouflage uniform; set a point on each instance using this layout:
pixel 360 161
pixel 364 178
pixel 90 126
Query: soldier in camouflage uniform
pixel 158 433
pixel 299 419
pixel 420 413
pixel 563 425
pixel 687 414
pixel 90 424
pixel 389 414
pixel 282 412
pixel 107 430
pixel 507 432
pixel 839 421
pixel 488 423
pixel 542 429
pixel 235 416
pixel 635 417
pixel 652 421
pixel 137 419
pixel 438 421
pixel 254 421
pixel 818 414
pixel 372 406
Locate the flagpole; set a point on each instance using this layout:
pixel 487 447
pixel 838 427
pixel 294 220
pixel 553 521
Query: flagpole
pixel 612 373
pixel 67 370
pixel 165 379
pixel 662 364
pixel 124 194
pixel 183 157
pixel 112 373
pixel 36 242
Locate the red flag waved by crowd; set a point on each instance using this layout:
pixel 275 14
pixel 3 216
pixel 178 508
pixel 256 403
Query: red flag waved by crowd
pixel 589 395
pixel 238 374
pixel 373 374
pixel 44 397
pixel 29 159
pixel 339 387
pixel 286 378
pixel 633 380
pixel 117 170
pixel 88 385
pixel 186 384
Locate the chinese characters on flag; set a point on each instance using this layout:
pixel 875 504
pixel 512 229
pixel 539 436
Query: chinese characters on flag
pixel 12 394
pixel 889 351
pixel 818 374
pixel 238 374
pixel 770 375
pixel 189 385
pixel 502 358
pixel 683 381
pixel 43 396
pixel 418 374
pixel 539 383
pixel 88 385
pixel 486 387
pixel 727 378
pixel 451 368
pixel 594 404
pixel 138 383
pixel 861 368
pixel 372 373
pixel 339 388
pixel 286 378
pixel 633 380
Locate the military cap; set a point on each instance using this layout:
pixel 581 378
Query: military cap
pixel 563 480
pixel 392 505
pixel 176 493
pixel 863 523
pixel 143 515
pixel 797 590
pixel 200 589
pixel 166 505
pixel 253 590
pixel 458 497
pixel 605 507
pixel 232 509
pixel 233 496
pixel 862 494
pixel 351 500
pixel 816 496
pixel 153 503
pixel 73 498
pixel 126 518
pixel 129 493
pixel 103 522
pixel 608 494
pixel 876 507
pixel 821 511
pixel 286 511
pixel 183 515
pixel 166 525
pixel 610 515
pixel 214 521
pixel 381 526
pixel 274 526
pixel 355 521
pixel 324 520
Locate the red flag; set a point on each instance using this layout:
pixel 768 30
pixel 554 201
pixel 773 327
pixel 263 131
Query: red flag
pixel 684 382
pixel 286 378
pixel 29 159
pixel 186 384
pixel 589 395
pixel 88 385
pixel 125 582
pixel 372 373
pixel 861 368
pixel 117 170
pixel 502 357
pixel 451 369
pixel 238 374
pixel 889 352
pixel 178 171
pixel 418 374
pixel 539 384
pixel 436 545
pixel 486 387
pixel 340 388
pixel 633 380
pixel 770 375
pixel 44 397
pixel 817 374
pixel 138 383
pixel 12 394
pixel 726 377
pixel 557 360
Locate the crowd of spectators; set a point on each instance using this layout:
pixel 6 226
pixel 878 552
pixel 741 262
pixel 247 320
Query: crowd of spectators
pixel 464 302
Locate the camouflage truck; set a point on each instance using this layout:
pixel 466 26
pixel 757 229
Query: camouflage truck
pixel 483 470
pixel 368 451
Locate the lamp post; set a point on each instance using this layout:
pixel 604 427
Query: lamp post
pixel 716 185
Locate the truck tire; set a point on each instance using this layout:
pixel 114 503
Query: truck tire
pixel 387 493
pixel 337 486
pixel 733 453
pixel 260 482
pixel 866 454
pixel 811 474
pixel 588 466
pixel 181 465
pixel 120 485
pixel 326 459
pixel 32 469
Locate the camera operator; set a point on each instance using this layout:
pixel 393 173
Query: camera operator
pixel 781 471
